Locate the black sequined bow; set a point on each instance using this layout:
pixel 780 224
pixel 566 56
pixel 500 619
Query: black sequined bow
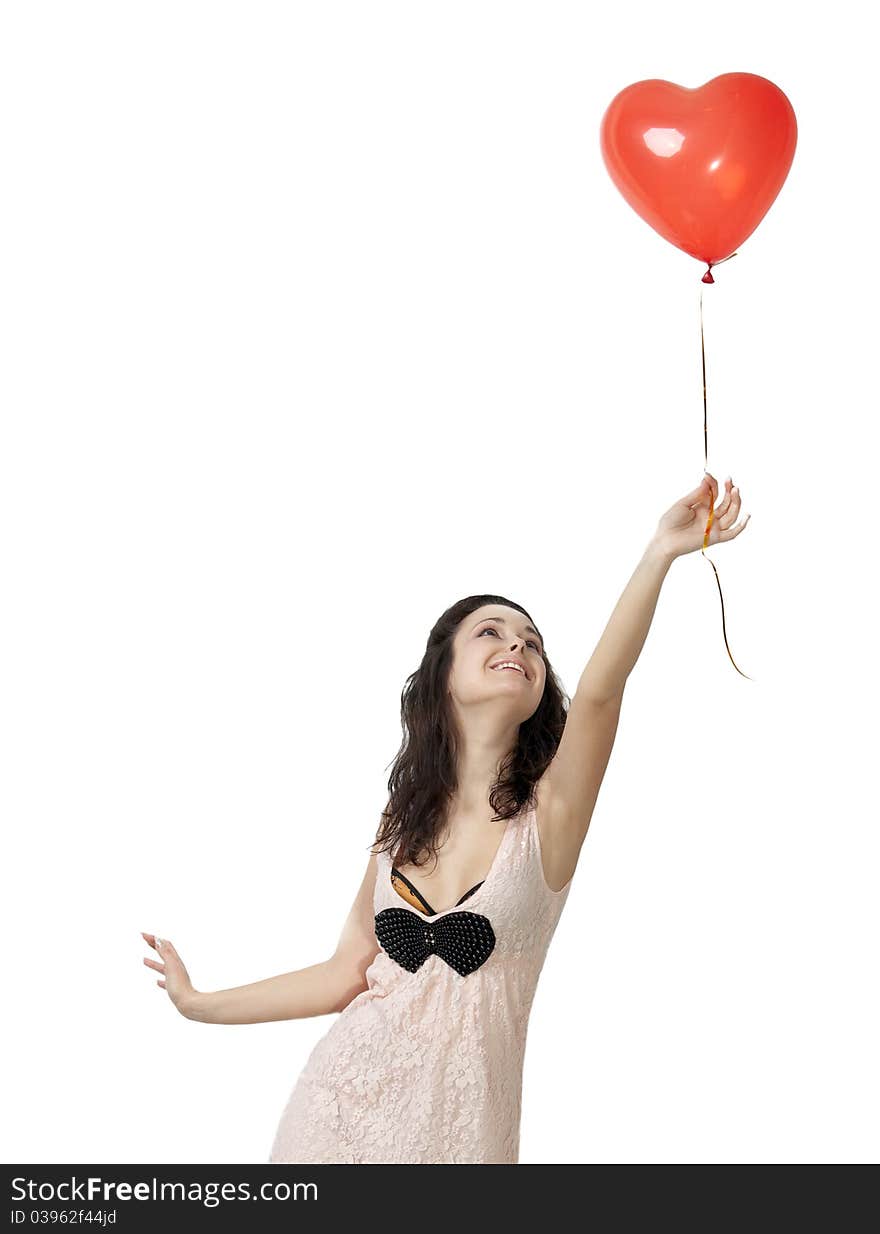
pixel 464 940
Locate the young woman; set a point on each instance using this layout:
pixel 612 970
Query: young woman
pixel 435 972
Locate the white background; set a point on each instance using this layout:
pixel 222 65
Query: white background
pixel 315 319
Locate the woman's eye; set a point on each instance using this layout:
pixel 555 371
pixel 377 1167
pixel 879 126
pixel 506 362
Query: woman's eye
pixel 489 629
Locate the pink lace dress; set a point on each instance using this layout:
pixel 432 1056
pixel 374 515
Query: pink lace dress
pixel 425 1065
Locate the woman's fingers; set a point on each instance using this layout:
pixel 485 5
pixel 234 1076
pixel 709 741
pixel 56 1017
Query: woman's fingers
pixel 724 508
pixel 726 531
pixel 698 495
pixel 730 512
pixel 160 944
pixel 169 964
pixel 725 500
pixel 734 531
pixel 707 486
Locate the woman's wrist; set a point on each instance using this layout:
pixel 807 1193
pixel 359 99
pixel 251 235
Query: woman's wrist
pixel 195 1005
pixel 659 549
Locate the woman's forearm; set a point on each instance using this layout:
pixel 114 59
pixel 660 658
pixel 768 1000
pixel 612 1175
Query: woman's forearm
pixel 318 990
pixel 624 636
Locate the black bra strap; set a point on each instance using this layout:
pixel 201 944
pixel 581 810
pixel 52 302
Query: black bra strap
pixel 416 893
pixel 471 892
pixel 430 911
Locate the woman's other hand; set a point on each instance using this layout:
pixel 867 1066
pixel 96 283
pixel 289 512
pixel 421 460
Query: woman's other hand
pixel 682 528
pixel 176 983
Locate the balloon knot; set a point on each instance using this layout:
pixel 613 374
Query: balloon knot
pixel 707 277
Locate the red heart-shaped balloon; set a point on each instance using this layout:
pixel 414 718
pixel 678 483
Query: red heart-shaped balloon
pixel 701 166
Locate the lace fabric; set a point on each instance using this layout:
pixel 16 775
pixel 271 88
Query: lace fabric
pixel 426 1067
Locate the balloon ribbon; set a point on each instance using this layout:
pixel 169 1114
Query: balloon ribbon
pixel 707 278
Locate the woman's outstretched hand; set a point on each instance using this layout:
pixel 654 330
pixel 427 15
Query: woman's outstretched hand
pixel 176 981
pixel 683 527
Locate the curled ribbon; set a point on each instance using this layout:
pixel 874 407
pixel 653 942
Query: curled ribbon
pixel 707 278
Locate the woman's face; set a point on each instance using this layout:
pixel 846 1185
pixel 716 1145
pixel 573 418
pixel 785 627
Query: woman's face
pixel 483 640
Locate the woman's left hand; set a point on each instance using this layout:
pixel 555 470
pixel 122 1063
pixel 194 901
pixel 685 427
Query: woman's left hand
pixel 682 528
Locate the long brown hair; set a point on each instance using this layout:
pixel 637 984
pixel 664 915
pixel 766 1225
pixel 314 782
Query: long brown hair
pixel 424 775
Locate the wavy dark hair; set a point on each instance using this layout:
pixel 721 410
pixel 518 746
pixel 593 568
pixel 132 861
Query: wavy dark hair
pixel 424 775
